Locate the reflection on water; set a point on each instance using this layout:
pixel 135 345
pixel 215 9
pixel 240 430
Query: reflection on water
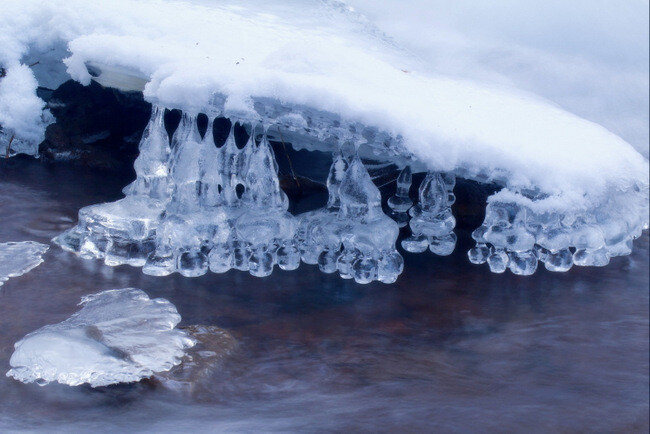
pixel 449 347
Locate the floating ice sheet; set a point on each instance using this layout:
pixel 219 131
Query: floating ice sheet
pixel 118 336
pixel 17 258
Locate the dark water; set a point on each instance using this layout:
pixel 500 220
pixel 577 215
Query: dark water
pixel 449 348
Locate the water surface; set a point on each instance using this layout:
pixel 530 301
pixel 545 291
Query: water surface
pixel 450 347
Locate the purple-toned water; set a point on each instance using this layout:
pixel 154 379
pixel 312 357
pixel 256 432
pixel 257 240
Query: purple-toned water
pixel 450 347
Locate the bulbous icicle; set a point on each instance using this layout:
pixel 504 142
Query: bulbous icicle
pixel 209 167
pixel 334 179
pixel 151 166
pixel 186 145
pixel 263 186
pixel 433 194
pixel 401 202
pixel 348 151
pixel 242 161
pixel 227 163
pixel 360 198
pixel 185 166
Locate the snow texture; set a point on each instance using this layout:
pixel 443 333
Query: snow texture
pixel 588 56
pixel 18 258
pixel 118 336
pixel 22 117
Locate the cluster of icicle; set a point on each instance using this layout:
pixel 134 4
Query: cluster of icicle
pixel 517 237
pixel 196 207
pixel 351 235
pixel 183 213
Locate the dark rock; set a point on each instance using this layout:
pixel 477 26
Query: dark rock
pixel 213 345
pixel 471 200
pixel 96 127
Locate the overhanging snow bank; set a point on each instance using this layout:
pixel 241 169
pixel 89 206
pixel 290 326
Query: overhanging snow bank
pixel 297 58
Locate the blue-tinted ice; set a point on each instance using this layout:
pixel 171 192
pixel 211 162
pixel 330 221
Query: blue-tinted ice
pixel 118 336
pixel 196 207
pixel 17 258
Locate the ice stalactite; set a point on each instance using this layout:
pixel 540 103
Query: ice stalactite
pixel 151 165
pixel 512 245
pixel 311 222
pixel 400 202
pixel 193 207
pixel 123 232
pixel 192 219
pixel 265 230
pixel 351 235
pixel 432 222
pixel 516 235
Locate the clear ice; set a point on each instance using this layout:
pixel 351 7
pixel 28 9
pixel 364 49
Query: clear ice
pixel 123 232
pixel 193 207
pixel 432 222
pixel 400 202
pixel 351 235
pixel 17 258
pixel 197 207
pixel 118 336
pixel 516 236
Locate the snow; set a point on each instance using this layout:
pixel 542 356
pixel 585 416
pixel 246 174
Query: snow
pixel 324 56
pixel 21 111
pixel 119 335
pixel 18 258
pixel 588 56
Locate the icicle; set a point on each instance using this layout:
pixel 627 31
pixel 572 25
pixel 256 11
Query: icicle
pixel 122 232
pixel 210 177
pixel 265 227
pixel 516 235
pixel 185 167
pixel 432 222
pixel 193 222
pixel 360 199
pixel 507 239
pixel 151 166
pixel 400 202
pixel 352 235
pixel 229 154
pixel 338 168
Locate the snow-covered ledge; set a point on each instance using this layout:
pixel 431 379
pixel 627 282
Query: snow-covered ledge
pixel 574 192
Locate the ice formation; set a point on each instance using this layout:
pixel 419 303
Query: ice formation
pixel 351 235
pixel 517 233
pixel 183 212
pixel 118 336
pixel 17 258
pixel 324 76
pixel 432 222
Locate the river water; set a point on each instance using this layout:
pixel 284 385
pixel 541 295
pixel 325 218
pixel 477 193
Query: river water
pixel 450 347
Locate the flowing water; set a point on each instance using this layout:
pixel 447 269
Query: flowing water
pixel 450 347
